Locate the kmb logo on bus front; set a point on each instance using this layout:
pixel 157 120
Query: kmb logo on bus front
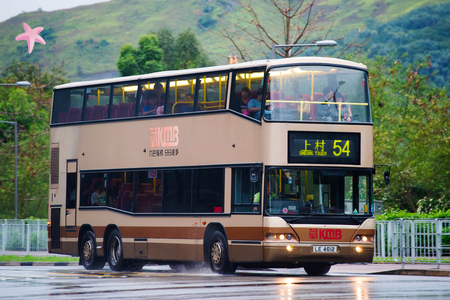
pixel 325 234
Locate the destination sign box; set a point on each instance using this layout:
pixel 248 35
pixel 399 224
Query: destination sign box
pixel 324 147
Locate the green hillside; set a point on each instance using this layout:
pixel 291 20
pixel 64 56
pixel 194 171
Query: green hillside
pixel 88 38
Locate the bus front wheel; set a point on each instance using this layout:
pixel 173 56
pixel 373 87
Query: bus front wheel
pixel 115 251
pixel 317 269
pixel 88 253
pixel 218 255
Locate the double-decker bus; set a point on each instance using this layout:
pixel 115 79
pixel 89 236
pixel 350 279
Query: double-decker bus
pixel 259 164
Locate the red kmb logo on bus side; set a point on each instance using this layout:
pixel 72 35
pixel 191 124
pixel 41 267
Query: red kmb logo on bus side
pixel 325 234
pixel 161 137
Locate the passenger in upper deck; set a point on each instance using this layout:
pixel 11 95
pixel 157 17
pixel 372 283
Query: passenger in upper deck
pixel 254 105
pixel 245 98
pixel 189 106
pixel 157 92
pixel 346 112
pixel 151 103
pixel 325 111
pixel 156 101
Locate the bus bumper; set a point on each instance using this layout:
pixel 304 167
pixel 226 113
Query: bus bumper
pixel 304 253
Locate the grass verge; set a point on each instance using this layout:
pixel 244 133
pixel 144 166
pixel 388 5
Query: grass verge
pixel 30 258
pixel 419 260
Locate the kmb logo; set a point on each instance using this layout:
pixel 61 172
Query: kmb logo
pixel 161 137
pixel 325 234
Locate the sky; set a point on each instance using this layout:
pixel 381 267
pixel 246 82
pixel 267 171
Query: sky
pixel 12 8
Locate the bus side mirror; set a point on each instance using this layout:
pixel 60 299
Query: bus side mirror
pixel 386 177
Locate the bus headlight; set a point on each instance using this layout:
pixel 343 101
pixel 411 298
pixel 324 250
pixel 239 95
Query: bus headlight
pixel 363 238
pixel 289 248
pixel 279 237
pixel 359 249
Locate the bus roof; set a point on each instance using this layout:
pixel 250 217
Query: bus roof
pixel 244 65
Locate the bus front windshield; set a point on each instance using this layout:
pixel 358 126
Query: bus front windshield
pixel 297 192
pixel 317 94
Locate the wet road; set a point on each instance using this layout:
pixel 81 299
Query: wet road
pixel 73 282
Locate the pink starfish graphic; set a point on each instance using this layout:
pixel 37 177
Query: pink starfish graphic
pixel 31 36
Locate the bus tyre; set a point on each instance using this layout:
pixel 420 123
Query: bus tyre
pixel 218 258
pixel 88 253
pixel 317 269
pixel 115 251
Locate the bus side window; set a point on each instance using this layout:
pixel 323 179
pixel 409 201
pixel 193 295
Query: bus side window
pixel 179 88
pixel 97 103
pixel 67 105
pixel 245 86
pixel 123 101
pixel 212 92
pixel 246 194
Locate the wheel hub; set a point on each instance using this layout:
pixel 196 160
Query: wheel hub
pixel 115 250
pixel 216 252
pixel 87 250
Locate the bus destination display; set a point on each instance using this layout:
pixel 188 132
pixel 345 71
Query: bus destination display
pixel 324 147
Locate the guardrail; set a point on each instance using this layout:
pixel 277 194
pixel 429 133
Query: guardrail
pixel 23 235
pixel 412 241
pixel 399 240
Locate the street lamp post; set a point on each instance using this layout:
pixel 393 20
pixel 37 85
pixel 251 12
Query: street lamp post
pixel 19 83
pixel 324 43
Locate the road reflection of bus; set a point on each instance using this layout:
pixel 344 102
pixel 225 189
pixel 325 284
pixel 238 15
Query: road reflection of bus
pixel 249 165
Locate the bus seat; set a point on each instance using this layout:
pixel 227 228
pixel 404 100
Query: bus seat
pixel 132 109
pixel 289 97
pixel 74 114
pixel 62 117
pixel 145 188
pixel 253 94
pixel 88 113
pixel 125 201
pixel 114 108
pixel 155 203
pixel 142 203
pixel 306 97
pixel 275 95
pixel 114 181
pixel 127 187
pixel 318 96
pixel 97 112
pixel 122 110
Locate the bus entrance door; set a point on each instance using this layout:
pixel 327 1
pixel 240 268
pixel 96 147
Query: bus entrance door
pixel 71 196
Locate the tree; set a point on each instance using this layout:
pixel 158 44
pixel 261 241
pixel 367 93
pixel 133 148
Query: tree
pixel 168 46
pixel 411 133
pixel 421 32
pixel 294 22
pixel 189 54
pixel 161 51
pixel 147 58
pixel 30 108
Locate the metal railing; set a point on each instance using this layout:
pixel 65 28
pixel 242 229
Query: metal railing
pixel 23 235
pixel 399 241
pixel 412 240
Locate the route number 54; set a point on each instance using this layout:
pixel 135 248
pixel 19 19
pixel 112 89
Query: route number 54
pixel 338 149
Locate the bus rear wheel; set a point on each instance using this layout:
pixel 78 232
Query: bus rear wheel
pixel 218 255
pixel 317 269
pixel 88 253
pixel 115 251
